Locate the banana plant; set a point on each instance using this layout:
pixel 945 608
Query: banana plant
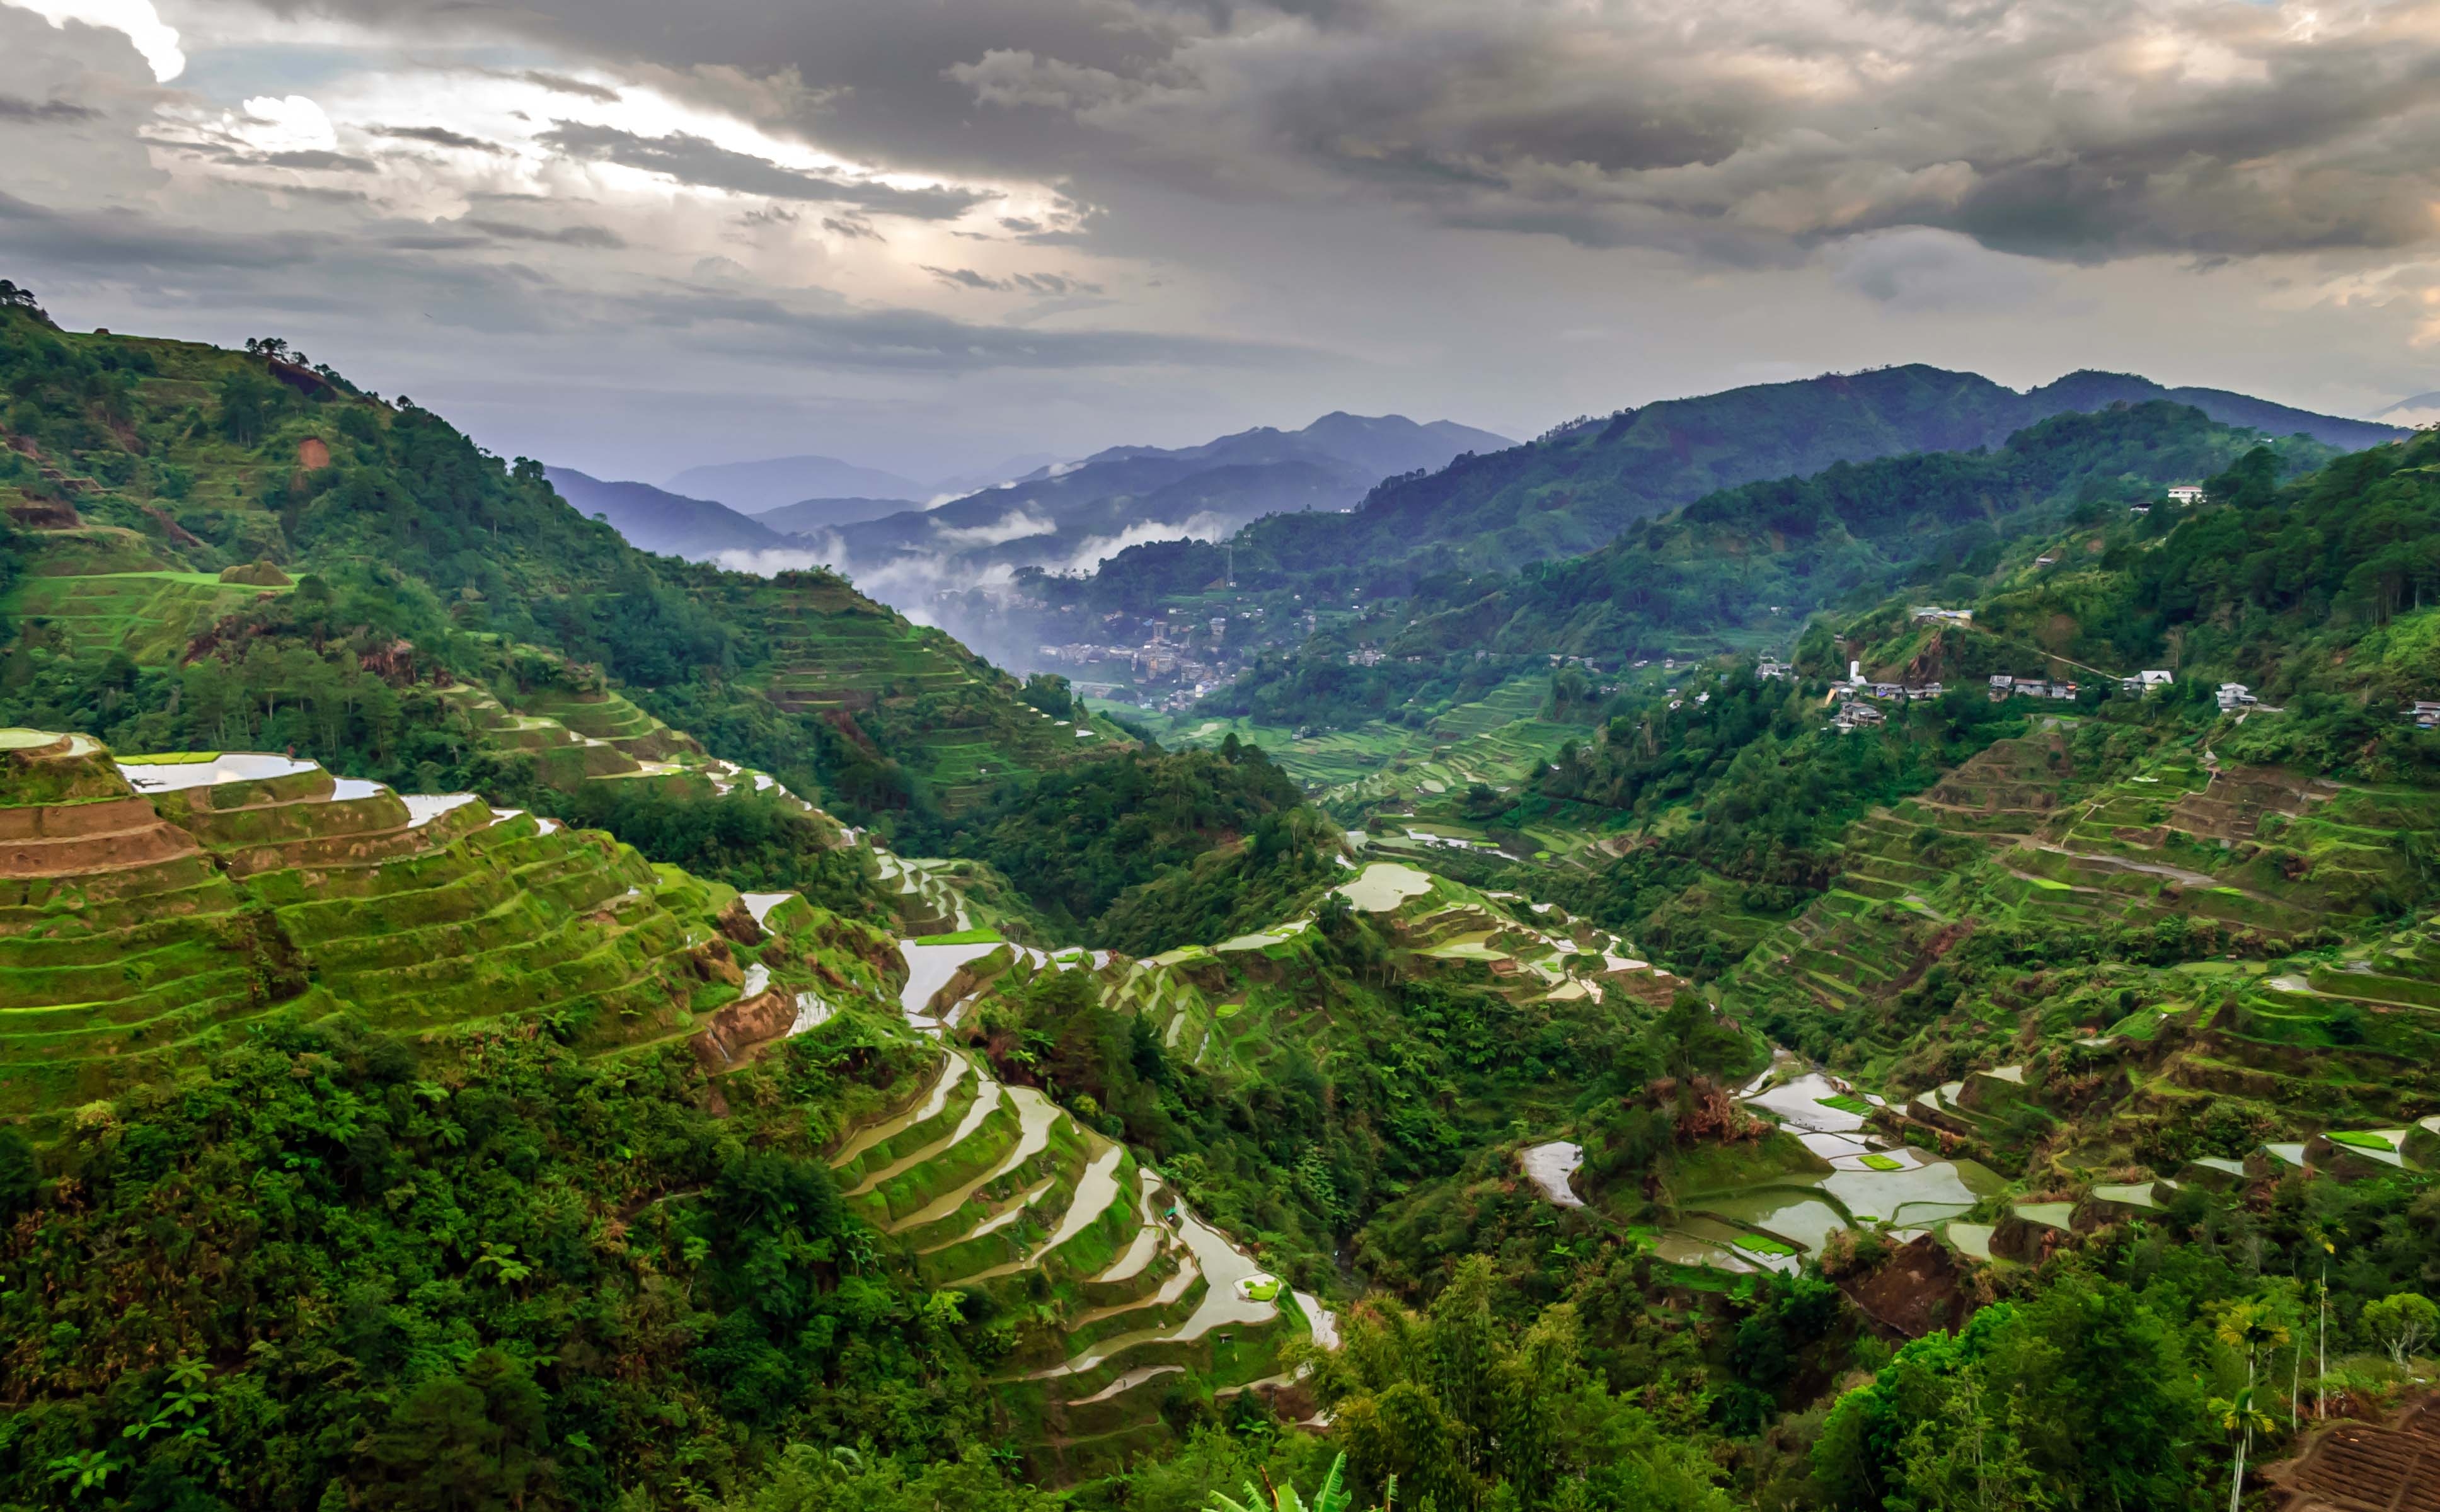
pixel 1333 1496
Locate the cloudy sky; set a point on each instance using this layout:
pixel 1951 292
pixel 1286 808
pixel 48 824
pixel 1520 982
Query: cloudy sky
pixel 629 236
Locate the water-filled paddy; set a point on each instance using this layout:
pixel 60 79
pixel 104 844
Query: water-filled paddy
pixel 1549 1166
pixel 1385 884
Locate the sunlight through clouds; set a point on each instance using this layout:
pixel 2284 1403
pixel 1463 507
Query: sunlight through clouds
pixel 155 38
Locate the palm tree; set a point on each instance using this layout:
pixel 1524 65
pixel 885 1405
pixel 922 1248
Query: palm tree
pixel 2239 1417
pixel 1333 1497
pixel 2253 1327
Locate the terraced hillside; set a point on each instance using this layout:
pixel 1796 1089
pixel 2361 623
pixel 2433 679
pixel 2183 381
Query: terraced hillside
pixel 995 1191
pixel 147 613
pixel 989 1186
pixel 1492 740
pixel 144 520
pixel 950 718
pixel 2176 956
pixel 576 729
pixel 156 902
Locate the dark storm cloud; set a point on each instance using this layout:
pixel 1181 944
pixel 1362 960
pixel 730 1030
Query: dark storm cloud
pixel 16 109
pixel 2063 130
pixel 314 159
pixel 967 278
pixel 914 341
pixel 2073 130
pixel 562 84
pixel 1046 284
pixel 708 165
pixel 566 236
pixel 1738 130
pixel 436 137
pixel 125 242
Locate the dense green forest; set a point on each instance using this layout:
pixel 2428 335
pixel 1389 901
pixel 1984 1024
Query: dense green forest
pixel 1146 852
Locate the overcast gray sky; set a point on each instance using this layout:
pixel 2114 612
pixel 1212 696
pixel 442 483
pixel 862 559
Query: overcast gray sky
pixel 629 236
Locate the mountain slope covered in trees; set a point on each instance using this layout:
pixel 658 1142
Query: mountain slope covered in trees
pixel 1571 491
pixel 1752 562
pixel 139 473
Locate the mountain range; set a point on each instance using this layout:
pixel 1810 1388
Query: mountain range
pixel 1071 515
pixel 750 488
pixel 2422 409
pixel 656 520
pixel 1062 515
pixel 1571 491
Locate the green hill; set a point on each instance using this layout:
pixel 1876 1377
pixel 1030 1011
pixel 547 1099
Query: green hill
pixel 144 479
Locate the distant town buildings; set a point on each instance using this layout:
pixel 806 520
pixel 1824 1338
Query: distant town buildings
pixel 2425 713
pixel 1889 692
pixel 1946 616
pixel 1773 666
pixel 1369 656
pixel 2185 493
pixel 2236 696
pixel 2145 682
pixel 2003 687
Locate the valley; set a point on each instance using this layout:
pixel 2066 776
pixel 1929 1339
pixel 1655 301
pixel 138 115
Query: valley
pixel 1804 985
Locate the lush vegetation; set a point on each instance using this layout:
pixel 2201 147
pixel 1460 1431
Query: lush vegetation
pixel 204 460
pixel 1148 851
pixel 2071 946
pixel 1756 558
pixel 362 678
pixel 325 1273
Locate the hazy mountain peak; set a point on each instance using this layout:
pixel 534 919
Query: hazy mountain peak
pixel 751 487
pixel 656 520
pixel 2421 409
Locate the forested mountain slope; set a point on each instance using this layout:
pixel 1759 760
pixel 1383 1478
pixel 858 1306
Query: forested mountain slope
pixel 1571 491
pixel 2125 998
pixel 1751 562
pixel 143 479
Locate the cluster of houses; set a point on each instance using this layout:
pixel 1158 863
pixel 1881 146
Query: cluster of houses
pixel 2004 687
pixel 1854 712
pixel 1891 692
